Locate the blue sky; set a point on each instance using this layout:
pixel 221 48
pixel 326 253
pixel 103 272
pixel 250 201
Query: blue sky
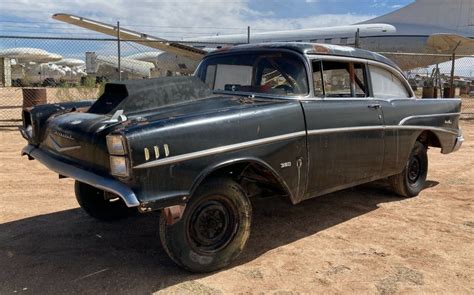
pixel 175 18
pixel 305 8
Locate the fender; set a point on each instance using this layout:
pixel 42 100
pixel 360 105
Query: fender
pixel 220 165
pixel 445 137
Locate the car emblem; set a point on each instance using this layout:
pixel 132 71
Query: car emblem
pixel 60 148
pixel 63 135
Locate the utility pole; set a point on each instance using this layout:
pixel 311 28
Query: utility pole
pixel 453 57
pixel 248 35
pixel 118 51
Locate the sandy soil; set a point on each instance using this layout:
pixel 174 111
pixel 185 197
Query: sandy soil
pixel 361 240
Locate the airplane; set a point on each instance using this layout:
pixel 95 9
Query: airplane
pixel 33 66
pixel 106 66
pixel 38 66
pixel 423 27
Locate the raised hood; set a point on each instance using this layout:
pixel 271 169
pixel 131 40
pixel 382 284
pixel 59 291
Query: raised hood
pixel 143 95
pixel 80 136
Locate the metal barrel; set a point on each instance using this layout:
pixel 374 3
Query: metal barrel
pixel 428 92
pixel 34 96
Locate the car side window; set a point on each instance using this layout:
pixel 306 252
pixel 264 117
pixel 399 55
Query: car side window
pixel 386 85
pixel 339 79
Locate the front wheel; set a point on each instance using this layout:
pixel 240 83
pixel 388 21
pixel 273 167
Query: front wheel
pixel 411 181
pixel 213 230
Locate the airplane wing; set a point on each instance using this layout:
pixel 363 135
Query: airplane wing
pixel 451 42
pixel 143 39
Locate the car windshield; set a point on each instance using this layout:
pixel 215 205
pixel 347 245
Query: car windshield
pixel 276 73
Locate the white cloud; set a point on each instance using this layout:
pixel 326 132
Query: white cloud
pixel 171 19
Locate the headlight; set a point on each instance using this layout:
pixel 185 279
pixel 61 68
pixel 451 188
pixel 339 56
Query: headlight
pixel 116 145
pixel 119 166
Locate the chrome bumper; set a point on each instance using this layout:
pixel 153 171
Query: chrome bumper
pixel 107 184
pixel 458 143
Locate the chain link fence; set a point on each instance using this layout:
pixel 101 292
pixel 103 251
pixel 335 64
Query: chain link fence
pixel 51 70
pixel 441 78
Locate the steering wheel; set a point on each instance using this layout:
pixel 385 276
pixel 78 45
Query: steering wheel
pixel 287 88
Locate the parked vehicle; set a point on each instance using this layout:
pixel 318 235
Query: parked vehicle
pixel 297 120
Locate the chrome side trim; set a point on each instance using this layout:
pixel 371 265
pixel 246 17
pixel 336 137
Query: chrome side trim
pixel 419 127
pixel 402 122
pixel 242 145
pixel 345 129
pixel 107 184
pixel 218 150
pixel 379 127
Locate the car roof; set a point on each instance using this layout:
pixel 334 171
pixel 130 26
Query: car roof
pixel 309 49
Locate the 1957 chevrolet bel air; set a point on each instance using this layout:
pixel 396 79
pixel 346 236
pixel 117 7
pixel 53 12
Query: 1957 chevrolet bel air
pixel 292 119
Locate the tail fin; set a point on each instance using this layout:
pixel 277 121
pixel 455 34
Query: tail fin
pixel 446 16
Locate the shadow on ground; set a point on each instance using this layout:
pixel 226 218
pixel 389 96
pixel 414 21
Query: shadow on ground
pixel 69 252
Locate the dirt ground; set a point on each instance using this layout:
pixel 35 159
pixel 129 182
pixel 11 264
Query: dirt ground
pixel 361 240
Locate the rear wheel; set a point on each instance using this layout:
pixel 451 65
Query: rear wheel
pixel 213 230
pixel 100 204
pixel 411 181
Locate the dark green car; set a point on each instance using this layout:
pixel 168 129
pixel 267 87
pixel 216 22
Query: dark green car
pixel 296 120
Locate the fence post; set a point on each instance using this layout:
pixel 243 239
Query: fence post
pixel 357 39
pixel 118 51
pixel 248 34
pixel 452 92
pixel 451 84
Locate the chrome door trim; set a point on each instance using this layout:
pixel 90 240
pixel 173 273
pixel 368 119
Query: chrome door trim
pixel 219 150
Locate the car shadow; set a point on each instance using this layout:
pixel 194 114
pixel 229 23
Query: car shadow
pixel 67 251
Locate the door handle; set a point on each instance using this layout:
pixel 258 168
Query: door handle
pixel 374 106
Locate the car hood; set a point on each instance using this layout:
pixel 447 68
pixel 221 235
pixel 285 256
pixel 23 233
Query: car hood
pixel 137 96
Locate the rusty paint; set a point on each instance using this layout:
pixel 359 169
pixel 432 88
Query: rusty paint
pixel 173 214
pixel 320 49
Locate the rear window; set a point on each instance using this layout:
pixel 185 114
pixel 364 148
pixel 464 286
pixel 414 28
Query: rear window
pixel 386 85
pixel 274 73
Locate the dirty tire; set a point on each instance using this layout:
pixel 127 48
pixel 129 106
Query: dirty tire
pixel 411 181
pixel 92 200
pixel 213 230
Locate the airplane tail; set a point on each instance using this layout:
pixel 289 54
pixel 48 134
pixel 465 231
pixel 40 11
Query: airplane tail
pixel 447 16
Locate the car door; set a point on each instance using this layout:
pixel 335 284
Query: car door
pixel 393 93
pixel 344 126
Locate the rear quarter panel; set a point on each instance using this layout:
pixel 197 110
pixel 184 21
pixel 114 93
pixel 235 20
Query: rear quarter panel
pixel 406 119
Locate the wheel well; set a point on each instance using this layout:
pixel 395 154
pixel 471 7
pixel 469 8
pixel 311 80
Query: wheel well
pixel 255 178
pixel 428 138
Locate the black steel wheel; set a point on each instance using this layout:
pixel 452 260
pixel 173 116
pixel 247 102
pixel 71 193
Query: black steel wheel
pixel 213 230
pixel 411 181
pixel 100 204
